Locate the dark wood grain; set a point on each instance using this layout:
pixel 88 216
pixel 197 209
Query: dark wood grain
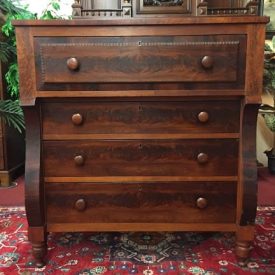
pixel 141 117
pixel 141 89
pixel 248 162
pixel 141 65
pixel 143 203
pixel 141 158
pixel 144 179
pixel 34 189
pixel 138 59
pixel 175 27
pixel 34 200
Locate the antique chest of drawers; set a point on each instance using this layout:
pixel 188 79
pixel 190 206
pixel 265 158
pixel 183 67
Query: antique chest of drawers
pixel 141 125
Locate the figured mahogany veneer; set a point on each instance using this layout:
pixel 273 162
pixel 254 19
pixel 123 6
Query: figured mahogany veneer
pixel 139 117
pixel 122 60
pixel 142 124
pixel 178 59
pixel 141 202
pixel 172 157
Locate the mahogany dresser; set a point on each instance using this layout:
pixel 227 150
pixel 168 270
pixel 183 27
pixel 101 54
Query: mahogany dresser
pixel 141 124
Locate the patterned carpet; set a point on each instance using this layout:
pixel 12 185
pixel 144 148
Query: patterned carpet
pixel 135 253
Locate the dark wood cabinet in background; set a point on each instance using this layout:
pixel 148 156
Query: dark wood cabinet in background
pixel 141 124
pixel 159 8
pixel 12 144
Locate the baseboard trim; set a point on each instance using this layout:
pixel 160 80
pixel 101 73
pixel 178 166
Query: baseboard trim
pixel 7 176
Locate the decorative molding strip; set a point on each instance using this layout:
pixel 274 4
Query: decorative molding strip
pixel 140 44
pixel 251 8
pixel 239 11
pixel 102 13
pixel 91 9
pixel 43 67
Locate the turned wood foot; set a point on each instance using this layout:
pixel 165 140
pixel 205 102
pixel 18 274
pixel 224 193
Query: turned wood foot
pixel 242 251
pixel 39 252
pixel 38 239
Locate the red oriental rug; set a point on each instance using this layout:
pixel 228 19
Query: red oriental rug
pixel 135 253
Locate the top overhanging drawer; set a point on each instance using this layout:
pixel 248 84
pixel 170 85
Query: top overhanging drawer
pixel 170 60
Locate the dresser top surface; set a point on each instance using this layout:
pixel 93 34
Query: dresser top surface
pixel 147 21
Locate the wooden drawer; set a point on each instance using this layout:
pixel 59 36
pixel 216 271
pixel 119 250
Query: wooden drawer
pixel 141 158
pixel 146 59
pixel 84 118
pixel 141 203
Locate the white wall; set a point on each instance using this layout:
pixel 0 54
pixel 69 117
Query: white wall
pixel 37 6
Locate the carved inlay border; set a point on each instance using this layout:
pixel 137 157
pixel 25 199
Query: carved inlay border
pixel 43 67
pixel 141 44
pixel 127 44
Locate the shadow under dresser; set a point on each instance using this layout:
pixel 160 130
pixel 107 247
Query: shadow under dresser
pixel 144 124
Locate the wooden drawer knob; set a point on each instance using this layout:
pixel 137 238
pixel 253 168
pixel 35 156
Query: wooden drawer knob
pixel 202 158
pixel 80 205
pixel 79 160
pixel 202 203
pixel 207 62
pixel 72 64
pixel 77 119
pixel 203 117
